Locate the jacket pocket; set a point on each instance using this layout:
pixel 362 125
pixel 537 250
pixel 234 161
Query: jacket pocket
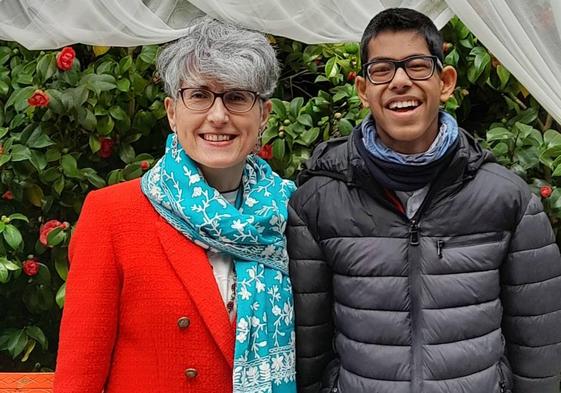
pixel 467 241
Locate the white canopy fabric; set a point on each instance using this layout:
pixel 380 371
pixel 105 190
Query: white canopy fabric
pixel 524 35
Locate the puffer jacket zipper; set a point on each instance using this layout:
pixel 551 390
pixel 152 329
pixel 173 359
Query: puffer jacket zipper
pixel 502 380
pixel 413 256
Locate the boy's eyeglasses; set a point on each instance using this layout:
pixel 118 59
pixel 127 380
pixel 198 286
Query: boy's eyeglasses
pixel 201 99
pixel 417 68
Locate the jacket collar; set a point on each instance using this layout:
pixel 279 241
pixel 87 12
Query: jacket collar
pixel 193 269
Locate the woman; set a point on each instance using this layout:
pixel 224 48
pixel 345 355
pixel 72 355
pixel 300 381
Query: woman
pixel 178 282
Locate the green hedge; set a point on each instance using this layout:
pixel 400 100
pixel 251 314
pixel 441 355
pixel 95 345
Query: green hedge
pixel 79 119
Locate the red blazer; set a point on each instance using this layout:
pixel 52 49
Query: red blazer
pixel 143 312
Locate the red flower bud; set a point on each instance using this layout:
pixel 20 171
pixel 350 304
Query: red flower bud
pixel 144 165
pixel 47 227
pixel 106 149
pixel 39 98
pixel 65 58
pixel 266 152
pixel 31 267
pixel 545 191
pixel 8 195
pixel 351 76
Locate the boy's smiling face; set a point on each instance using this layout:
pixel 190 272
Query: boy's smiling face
pixel 405 110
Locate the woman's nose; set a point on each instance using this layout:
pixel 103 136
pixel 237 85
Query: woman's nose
pixel 218 112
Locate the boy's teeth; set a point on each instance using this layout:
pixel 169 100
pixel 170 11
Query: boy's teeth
pixel 216 138
pixel 403 104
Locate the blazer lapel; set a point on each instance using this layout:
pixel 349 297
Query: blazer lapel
pixel 192 266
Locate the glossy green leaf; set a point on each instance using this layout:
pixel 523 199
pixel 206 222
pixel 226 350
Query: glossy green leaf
pixel 17 342
pixel 309 136
pixel 105 125
pixel 34 194
pixel 295 106
pixel 148 54
pixel 118 113
pixel 39 139
pixel 37 334
pixel 4 274
pixel 499 133
pixel 60 295
pixel 69 166
pixel 18 217
pixel 126 153
pixel 56 236
pixel 306 120
pixel 504 75
pixel 278 108
pixel 278 148
pixel 28 349
pixel 60 257
pixel 12 236
pixel 345 127
pixel 19 97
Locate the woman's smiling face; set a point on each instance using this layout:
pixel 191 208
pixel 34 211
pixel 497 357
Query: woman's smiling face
pixel 217 138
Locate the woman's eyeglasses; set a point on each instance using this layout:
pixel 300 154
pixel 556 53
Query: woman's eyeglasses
pixel 201 99
pixel 417 68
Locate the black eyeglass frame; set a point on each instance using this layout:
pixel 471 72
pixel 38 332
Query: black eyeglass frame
pixel 215 95
pixel 401 64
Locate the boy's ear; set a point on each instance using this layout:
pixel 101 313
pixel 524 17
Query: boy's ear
pixel 360 85
pixel 448 78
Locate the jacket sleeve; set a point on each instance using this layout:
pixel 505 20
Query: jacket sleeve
pixel 90 316
pixel 312 285
pixel 531 296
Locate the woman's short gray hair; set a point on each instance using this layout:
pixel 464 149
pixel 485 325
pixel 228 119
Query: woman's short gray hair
pixel 220 52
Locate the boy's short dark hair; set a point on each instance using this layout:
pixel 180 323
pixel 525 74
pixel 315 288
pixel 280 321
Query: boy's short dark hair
pixel 402 19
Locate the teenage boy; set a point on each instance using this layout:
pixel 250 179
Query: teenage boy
pixel 419 265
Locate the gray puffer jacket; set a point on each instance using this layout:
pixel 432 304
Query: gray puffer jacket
pixel 463 298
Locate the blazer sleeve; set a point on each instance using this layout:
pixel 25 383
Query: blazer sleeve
pixel 531 296
pixel 312 286
pixel 90 315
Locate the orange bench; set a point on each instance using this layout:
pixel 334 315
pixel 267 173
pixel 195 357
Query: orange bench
pixel 26 382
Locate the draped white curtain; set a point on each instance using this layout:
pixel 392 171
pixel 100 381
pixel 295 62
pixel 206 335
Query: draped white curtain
pixel 524 35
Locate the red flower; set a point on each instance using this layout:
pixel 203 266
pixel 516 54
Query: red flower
pixel 144 165
pixel 545 191
pixel 351 76
pixel 106 149
pixel 266 152
pixel 39 98
pixel 31 267
pixel 49 226
pixel 65 58
pixel 8 195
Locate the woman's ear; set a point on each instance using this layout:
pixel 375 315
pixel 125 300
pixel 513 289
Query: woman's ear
pixel 448 77
pixel 169 104
pixel 266 108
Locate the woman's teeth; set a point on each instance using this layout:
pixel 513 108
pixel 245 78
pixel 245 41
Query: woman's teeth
pixel 217 137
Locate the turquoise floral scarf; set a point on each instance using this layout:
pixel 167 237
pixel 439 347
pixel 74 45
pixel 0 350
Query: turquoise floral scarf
pixel 264 355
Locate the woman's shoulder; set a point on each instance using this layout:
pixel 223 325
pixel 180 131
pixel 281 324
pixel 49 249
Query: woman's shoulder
pixel 122 197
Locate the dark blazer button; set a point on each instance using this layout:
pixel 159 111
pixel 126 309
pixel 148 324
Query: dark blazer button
pixel 191 373
pixel 183 322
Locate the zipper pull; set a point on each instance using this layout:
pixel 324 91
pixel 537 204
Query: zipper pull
pixel 439 246
pixel 414 233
